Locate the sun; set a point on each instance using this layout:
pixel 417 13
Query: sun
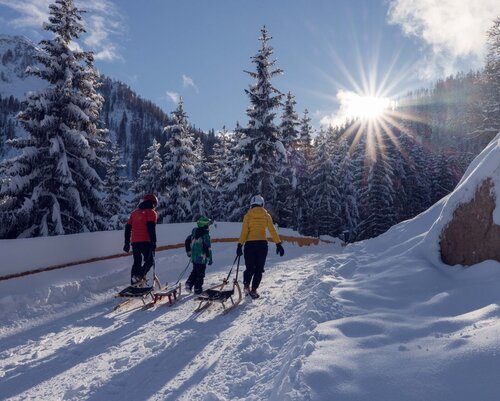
pixel 366 107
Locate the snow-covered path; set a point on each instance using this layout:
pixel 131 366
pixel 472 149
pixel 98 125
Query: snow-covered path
pixel 168 353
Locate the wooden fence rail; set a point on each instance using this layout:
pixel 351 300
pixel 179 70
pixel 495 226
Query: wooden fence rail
pixel 301 241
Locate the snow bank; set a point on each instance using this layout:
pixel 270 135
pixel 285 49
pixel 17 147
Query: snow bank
pixel 413 328
pixel 485 165
pixel 21 255
pixel 422 233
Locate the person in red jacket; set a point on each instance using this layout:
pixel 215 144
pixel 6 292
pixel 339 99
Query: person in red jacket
pixel 142 226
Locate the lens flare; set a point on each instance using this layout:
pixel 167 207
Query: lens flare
pixel 369 107
pixel 367 102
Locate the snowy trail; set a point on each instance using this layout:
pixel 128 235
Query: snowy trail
pixel 168 353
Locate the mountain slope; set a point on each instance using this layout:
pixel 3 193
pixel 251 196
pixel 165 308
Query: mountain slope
pixel 132 121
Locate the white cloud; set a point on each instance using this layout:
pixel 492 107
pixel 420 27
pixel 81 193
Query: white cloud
pixel 174 97
pixel 188 82
pixel 345 99
pixel 102 22
pixel 32 12
pixel 454 30
pixel 353 105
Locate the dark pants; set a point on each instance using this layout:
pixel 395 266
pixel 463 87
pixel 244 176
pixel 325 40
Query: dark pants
pixel 197 275
pixel 142 250
pixel 255 253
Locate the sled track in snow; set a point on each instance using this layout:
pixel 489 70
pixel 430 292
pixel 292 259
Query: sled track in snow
pixel 168 353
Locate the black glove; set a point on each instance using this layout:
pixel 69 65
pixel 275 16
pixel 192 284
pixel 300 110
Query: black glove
pixel 154 246
pixel 239 250
pixel 126 248
pixel 279 249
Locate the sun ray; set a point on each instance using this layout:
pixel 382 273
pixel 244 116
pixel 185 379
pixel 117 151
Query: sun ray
pixel 368 100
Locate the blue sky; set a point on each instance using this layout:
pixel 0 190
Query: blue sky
pixel 327 48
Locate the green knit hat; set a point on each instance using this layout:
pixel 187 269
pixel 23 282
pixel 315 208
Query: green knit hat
pixel 204 222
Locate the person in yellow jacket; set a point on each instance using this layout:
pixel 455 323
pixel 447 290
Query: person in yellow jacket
pixel 253 236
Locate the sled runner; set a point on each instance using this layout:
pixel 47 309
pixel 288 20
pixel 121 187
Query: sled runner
pixel 172 294
pixel 140 291
pixel 218 294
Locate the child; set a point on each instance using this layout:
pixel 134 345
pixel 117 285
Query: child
pixel 198 248
pixel 142 226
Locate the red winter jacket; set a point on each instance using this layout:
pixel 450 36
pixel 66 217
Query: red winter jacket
pixel 142 224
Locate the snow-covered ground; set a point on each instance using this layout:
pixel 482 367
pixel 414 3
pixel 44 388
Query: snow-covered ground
pixel 374 321
pixel 382 319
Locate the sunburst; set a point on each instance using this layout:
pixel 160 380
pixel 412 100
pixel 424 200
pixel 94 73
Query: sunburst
pixel 370 102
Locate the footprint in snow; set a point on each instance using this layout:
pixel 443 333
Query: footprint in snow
pixel 121 363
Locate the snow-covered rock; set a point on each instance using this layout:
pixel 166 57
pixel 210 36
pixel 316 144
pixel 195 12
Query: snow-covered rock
pixel 469 222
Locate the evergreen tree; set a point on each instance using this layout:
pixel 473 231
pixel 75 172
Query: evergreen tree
pixel 233 205
pixel 149 176
pixel 412 184
pixel 115 203
pixel 262 147
pixel 303 204
pixel 491 86
pixel 324 192
pixel 289 123
pixel 377 195
pixel 202 193
pixel 289 134
pixel 178 175
pixel 52 187
pixel 305 138
pixel 220 172
pixel 443 179
pixel 348 192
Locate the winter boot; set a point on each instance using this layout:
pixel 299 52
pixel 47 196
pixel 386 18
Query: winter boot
pixel 246 289
pixel 254 294
pixel 137 281
pixel 198 291
pixel 188 286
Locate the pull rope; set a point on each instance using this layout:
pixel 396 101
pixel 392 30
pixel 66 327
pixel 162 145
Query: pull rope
pixel 237 258
pixel 237 268
pixel 182 273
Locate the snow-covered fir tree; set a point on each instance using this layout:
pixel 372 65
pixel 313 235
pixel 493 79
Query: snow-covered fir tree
pixel 52 187
pixel 262 147
pixel 377 194
pixel 149 176
pixel 348 192
pixel 442 179
pixel 289 123
pixel 302 199
pixel 115 186
pixel 289 134
pixel 202 192
pixel 220 170
pixel 305 137
pixel 490 125
pixel 324 191
pixel 230 204
pixel 178 175
pixel 411 178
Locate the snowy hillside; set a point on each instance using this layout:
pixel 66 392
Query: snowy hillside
pixel 131 120
pixel 17 54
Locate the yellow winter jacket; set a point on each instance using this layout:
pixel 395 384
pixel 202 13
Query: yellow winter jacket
pixel 254 227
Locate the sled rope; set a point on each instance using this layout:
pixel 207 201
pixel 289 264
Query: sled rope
pixel 182 273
